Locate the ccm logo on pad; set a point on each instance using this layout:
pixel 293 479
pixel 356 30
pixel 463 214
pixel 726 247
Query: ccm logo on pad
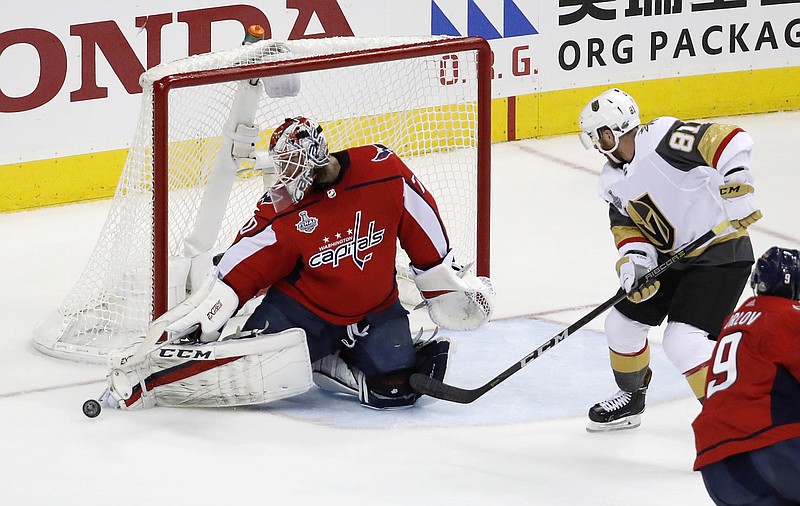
pixel 185 353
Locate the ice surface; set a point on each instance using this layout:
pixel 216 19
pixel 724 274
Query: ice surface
pixel 522 443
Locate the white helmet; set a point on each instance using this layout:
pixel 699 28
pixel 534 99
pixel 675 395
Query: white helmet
pixel 297 149
pixel 613 109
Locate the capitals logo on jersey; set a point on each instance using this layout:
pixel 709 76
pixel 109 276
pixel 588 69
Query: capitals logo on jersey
pixel 352 247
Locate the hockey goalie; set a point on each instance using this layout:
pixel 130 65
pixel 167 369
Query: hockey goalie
pixel 322 241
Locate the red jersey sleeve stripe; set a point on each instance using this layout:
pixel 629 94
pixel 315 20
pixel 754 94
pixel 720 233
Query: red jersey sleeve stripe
pixel 631 240
pixel 724 144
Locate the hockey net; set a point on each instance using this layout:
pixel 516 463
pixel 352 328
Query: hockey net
pixel 181 197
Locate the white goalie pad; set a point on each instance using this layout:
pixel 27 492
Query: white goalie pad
pixel 236 372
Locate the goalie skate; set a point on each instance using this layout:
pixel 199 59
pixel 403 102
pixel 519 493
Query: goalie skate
pixel 621 411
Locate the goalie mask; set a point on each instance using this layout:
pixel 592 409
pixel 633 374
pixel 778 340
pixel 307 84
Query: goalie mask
pixel 777 273
pixel 297 148
pixel 613 109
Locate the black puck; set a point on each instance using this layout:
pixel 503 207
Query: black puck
pixel 91 408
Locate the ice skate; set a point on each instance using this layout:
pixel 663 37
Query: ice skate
pixel 620 411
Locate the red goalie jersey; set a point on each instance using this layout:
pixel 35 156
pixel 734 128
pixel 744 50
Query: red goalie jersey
pixel 334 252
pixel 753 389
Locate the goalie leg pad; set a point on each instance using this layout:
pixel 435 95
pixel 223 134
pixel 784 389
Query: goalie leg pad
pixel 240 372
pixel 392 390
pixel 124 383
pixel 383 391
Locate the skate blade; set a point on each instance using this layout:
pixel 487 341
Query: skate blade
pixel 629 422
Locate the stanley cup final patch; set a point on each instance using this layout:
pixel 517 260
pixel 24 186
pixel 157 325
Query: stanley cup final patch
pixel 307 224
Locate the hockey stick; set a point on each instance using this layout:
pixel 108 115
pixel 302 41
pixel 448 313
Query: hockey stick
pixel 153 343
pixel 149 344
pixel 426 385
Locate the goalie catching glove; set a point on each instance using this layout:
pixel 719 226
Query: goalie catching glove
pixel 634 264
pixel 455 299
pixel 737 195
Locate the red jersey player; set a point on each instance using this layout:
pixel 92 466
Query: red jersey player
pixel 748 433
pixel 324 240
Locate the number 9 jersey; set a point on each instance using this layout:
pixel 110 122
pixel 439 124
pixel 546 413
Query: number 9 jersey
pixel 753 384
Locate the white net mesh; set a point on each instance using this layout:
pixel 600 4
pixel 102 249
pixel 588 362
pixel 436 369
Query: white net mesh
pixel 423 108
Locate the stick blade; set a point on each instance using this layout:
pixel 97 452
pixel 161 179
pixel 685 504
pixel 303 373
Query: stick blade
pixel 424 384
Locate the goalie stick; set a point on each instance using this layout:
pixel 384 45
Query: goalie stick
pixel 426 385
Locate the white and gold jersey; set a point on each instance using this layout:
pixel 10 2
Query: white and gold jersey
pixel 669 194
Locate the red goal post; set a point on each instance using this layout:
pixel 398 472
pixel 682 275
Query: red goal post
pixel 427 99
